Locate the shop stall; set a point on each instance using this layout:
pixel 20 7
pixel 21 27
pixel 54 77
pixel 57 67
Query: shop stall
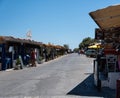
pixel 19 53
pixel 16 51
pixel 107 63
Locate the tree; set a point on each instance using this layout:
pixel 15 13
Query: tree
pixel 76 49
pixel 66 46
pixel 86 42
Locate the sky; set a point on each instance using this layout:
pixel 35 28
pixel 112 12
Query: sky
pixel 57 22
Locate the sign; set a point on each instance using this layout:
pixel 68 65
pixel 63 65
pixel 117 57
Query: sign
pixel 29 34
pixel 99 35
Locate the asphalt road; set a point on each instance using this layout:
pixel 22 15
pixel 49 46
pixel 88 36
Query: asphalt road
pixel 69 76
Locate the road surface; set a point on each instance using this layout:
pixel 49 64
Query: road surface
pixel 69 76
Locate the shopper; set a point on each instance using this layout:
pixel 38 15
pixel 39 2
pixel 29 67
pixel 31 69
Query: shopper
pixel 33 58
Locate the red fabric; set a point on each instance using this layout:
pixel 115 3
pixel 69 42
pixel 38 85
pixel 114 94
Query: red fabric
pixel 32 55
pixel 110 51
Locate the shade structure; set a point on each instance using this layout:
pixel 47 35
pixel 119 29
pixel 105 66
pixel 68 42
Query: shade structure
pixel 108 17
pixel 95 46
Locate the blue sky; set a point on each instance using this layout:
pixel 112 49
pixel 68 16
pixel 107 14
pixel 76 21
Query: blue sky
pixel 56 21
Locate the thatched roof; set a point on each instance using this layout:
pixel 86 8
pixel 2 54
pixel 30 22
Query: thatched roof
pixel 5 39
pixel 10 39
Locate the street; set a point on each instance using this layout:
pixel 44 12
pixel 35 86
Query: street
pixel 65 77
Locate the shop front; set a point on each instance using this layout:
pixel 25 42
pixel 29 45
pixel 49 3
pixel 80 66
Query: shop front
pixel 106 65
pixel 16 52
pixel 2 57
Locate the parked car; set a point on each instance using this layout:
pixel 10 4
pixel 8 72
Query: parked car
pixel 90 53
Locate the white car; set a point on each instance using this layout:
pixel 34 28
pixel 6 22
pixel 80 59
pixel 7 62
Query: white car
pixel 90 53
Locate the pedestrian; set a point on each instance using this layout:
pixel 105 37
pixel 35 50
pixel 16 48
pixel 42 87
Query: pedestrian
pixel 78 52
pixel 45 54
pixel 33 58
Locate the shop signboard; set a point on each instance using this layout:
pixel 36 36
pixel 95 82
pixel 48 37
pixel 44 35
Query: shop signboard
pixel 99 35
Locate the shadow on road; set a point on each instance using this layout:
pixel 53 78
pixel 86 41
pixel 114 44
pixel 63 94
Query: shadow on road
pixel 87 88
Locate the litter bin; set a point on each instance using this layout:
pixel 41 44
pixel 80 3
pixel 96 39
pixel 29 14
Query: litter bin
pixel 118 89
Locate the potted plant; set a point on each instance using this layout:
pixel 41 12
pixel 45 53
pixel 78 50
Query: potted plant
pixel 18 64
pixel 41 60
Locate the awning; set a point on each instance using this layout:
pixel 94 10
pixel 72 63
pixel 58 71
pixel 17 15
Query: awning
pixel 95 46
pixel 108 17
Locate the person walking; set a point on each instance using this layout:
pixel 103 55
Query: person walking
pixel 33 58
